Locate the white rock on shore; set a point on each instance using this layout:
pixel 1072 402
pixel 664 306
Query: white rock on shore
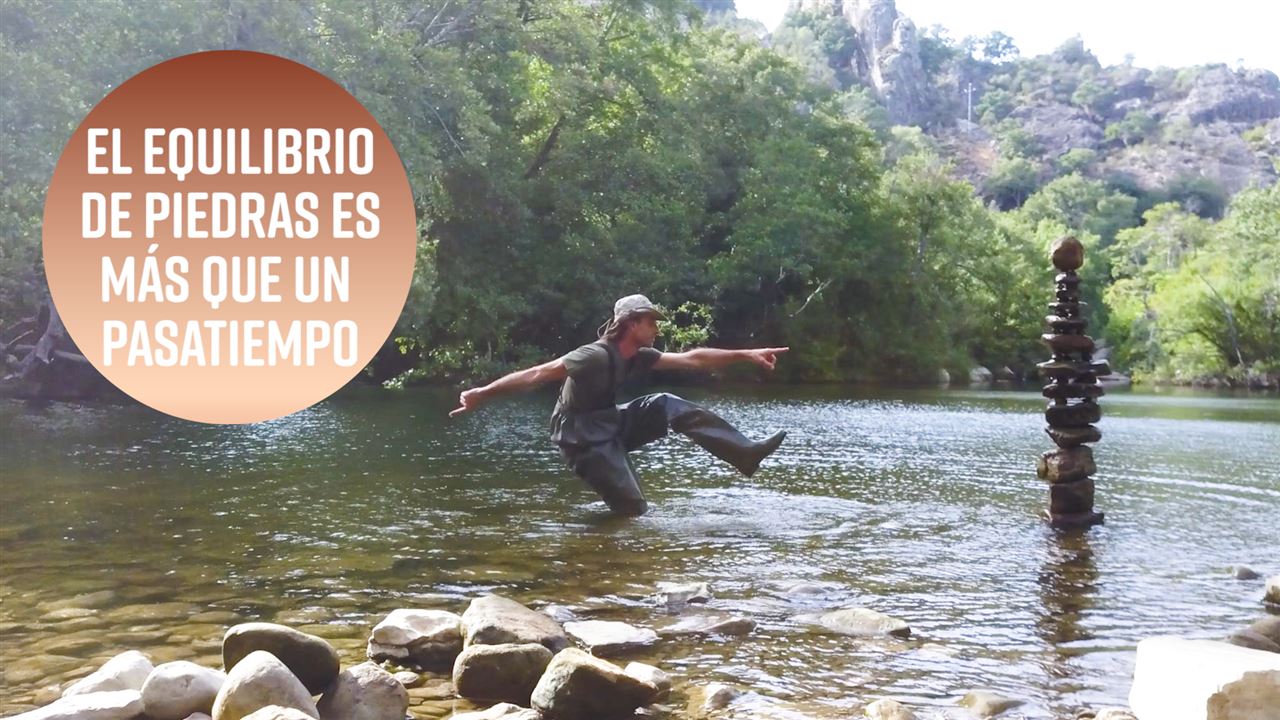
pixel 496 620
pixel 126 671
pixel 257 681
pixel 364 692
pixel 177 689
pixel 578 686
pixel 1180 679
pixel 423 638
pixel 107 705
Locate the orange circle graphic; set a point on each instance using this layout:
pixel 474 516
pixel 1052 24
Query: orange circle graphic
pixel 229 237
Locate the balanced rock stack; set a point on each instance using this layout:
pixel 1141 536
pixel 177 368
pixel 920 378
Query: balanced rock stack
pixel 1073 391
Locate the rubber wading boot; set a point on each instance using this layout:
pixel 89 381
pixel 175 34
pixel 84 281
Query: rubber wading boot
pixel 724 441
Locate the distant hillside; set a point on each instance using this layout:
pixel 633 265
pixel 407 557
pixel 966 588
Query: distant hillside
pixel 1011 124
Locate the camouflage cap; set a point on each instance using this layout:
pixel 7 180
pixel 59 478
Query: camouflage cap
pixel 634 305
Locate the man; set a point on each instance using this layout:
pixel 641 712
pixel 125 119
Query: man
pixel 595 433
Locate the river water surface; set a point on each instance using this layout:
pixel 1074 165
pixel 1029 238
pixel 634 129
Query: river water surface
pixel 126 529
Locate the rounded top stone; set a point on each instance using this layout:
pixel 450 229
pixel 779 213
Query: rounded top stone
pixel 1067 253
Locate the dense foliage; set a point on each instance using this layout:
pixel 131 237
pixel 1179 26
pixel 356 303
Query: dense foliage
pixel 564 153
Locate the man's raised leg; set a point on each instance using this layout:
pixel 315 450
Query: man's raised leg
pixel 648 418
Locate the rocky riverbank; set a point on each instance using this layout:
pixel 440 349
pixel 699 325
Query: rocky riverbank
pixel 496 660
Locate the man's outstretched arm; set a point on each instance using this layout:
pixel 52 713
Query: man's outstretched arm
pixel 517 381
pixel 712 358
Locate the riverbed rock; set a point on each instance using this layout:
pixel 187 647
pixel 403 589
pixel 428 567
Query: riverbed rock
pixel 675 595
pixel 1246 637
pixel 364 692
pixel 506 672
pixel 560 613
pixel 275 712
pixel 1073 437
pixel 501 711
pixel 102 705
pixel 717 696
pixel 652 675
pixel 1180 679
pixel 313 660
pixel 407 678
pixel 580 686
pixel 986 703
pixel 1244 572
pixel 1069 498
pixel 888 710
pixel 126 671
pixel 422 638
pixel 1067 253
pixel 730 625
pixel 1268 627
pixel 1272 593
pixel 608 638
pixel 495 620
pixel 257 681
pixel 865 622
pixel 175 690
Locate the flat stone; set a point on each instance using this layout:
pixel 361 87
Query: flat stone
pixel 1066 318
pixel 259 680
pixel 1068 498
pixel 418 638
pixel 1066 464
pixel 364 692
pixel 985 703
pixel 1073 415
pixel 674 595
pixel 1073 391
pixel 1068 342
pixel 127 671
pixel 1073 437
pixel 606 638
pixel 1073 368
pixel 175 690
pixel 864 622
pixel 506 673
pixel 313 660
pixel 579 686
pixel 1181 679
pixel 888 710
pixel 495 620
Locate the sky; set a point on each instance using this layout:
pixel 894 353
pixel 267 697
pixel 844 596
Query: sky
pixel 1174 33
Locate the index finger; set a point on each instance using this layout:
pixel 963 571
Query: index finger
pixel 778 350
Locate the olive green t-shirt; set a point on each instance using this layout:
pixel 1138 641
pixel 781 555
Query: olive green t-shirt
pixel 586 411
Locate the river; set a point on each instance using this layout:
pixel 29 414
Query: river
pixel 122 528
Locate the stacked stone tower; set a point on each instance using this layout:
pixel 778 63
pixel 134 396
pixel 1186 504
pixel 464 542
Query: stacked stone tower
pixel 1073 391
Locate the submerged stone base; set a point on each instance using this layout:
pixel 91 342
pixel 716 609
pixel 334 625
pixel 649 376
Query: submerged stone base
pixel 1073 520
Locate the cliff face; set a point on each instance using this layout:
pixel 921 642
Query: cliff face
pixel 886 55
